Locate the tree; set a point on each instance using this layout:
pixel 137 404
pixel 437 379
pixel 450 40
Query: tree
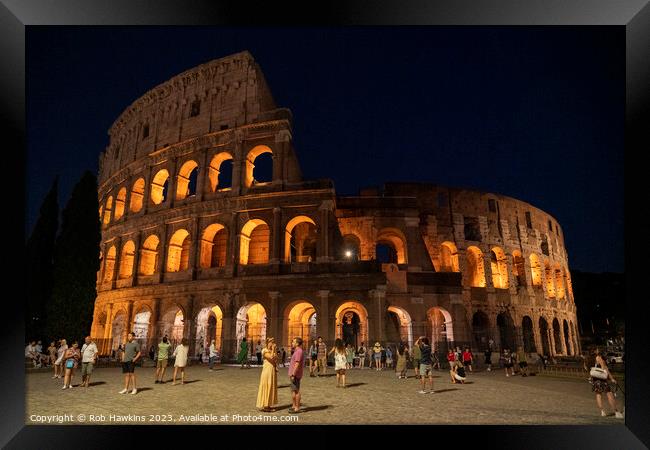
pixel 76 262
pixel 39 254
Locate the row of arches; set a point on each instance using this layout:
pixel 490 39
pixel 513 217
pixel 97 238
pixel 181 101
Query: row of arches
pixel 258 169
pixel 300 246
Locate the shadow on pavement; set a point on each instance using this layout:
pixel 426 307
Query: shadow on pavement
pixel 96 383
pixel 355 384
pixel 446 390
pixel 315 408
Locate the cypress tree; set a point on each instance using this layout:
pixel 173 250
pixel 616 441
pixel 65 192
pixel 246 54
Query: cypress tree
pixel 76 262
pixel 39 256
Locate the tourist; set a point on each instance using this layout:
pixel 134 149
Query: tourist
pixel 457 372
pixel 71 361
pixel 267 394
pixel 161 362
pixel 402 359
pixel 58 364
pixel 389 357
pixel 119 353
pixel 459 354
pixel 425 365
pixel 295 374
pixel 30 353
pixel 152 353
pixel 349 356
pixel 258 352
pixel 243 354
pixel 88 360
pixel 51 350
pixel 508 361
pixel 130 356
pixel 451 357
pixel 600 386
pixel 488 359
pixel 322 357
pixel 361 352
pixel 468 358
pixel 376 351
pixel 213 355
pixel 340 362
pixel 416 356
pixel 313 357
pixel 180 355
pixel 523 364
pixel 39 354
pixel 436 359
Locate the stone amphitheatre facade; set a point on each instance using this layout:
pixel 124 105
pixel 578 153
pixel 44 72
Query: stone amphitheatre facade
pixel 199 241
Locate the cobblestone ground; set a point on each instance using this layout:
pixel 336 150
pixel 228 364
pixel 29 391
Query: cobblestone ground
pixel 373 397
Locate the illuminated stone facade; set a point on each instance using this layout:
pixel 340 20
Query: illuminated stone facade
pixel 198 243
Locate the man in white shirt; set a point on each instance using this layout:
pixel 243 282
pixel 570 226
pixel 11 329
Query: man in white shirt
pixel 30 352
pixel 88 359
pixel 213 355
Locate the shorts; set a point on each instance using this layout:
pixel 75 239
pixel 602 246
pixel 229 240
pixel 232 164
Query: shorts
pixel 467 363
pixel 377 355
pixel 314 357
pixel 87 368
pixel 161 363
pixel 425 369
pixel 508 365
pixel 128 367
pixel 295 384
pixel 523 364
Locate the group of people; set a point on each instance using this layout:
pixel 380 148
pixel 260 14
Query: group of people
pixel 243 356
pixel 267 394
pixel 66 360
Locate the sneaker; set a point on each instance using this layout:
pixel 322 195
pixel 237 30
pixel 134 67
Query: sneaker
pixel 602 413
pixel 618 415
pixel 70 387
pixel 422 392
pixel 64 387
pixel 123 391
pixel 54 376
pixel 489 370
pixel 507 375
pixel 432 392
pixel 134 391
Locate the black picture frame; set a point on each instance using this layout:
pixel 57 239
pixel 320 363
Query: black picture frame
pixel 16 15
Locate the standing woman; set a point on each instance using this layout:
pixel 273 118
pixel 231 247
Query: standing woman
pixel 267 394
pixel 340 362
pixel 508 362
pixel 600 386
pixel 362 356
pixel 313 357
pixel 181 360
pixel 242 358
pixel 51 350
pixel 58 364
pixel 376 350
pixel 349 353
pixel 402 357
pixel 71 358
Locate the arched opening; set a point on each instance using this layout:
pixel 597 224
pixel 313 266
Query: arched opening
pixel 518 268
pixel 257 167
pixel 543 333
pixel 213 246
pixel 119 203
pixel 548 274
pixel 137 195
pixel 567 338
pixel 557 338
pixel 481 330
pixel 475 267
pixel 559 282
pixel 220 172
pixel 301 322
pixel 141 326
pixel 449 257
pixel 109 265
pixel 107 210
pixel 352 324
pixel 126 260
pixel 178 256
pixel 209 326
pixel 507 335
pixel 391 247
pixel 499 266
pixel 149 255
pixel 440 329
pixel 100 329
pixel 398 326
pixel 118 330
pixel 300 240
pixel 536 270
pixel 251 324
pixel 186 180
pixel 159 187
pixel 173 325
pixel 254 242
pixel 351 248
pixel 528 335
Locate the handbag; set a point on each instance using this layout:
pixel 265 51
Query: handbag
pixel 597 372
pixel 69 364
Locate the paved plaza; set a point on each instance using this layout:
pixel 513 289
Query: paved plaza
pixel 228 395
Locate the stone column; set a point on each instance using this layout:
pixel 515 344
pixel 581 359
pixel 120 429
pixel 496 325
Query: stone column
pixel 282 139
pixel 416 252
pixel 155 319
pixel 277 234
pixel 189 329
pixel 228 328
pixel 487 267
pixel 127 200
pixel 273 319
pixel 562 339
pixel 172 184
pixel 238 165
pixel 378 298
pixel 202 175
pixel 129 320
pixel 323 318
pixel 234 236
pixel 512 280
pixel 538 337
pixel 118 260
pixel 136 257
pixel 146 198
pixel 105 346
pixel 162 259
pixel 324 238
pixel 194 262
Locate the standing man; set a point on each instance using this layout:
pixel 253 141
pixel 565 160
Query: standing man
pixel 258 352
pixel 425 365
pixel 88 359
pixel 161 362
pixel 488 359
pixel 322 357
pixel 213 355
pixel 295 373
pixel 521 359
pixel 129 358
pixel 417 356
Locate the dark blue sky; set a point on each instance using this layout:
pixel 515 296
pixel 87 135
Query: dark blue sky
pixel 533 113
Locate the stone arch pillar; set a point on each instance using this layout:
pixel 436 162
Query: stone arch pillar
pixel 323 323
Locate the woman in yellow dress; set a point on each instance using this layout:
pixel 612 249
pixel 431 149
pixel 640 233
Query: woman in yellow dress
pixel 267 395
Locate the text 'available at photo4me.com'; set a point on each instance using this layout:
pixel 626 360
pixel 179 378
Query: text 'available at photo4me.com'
pixel 204 418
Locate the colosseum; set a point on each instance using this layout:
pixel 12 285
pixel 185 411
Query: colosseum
pixel 209 231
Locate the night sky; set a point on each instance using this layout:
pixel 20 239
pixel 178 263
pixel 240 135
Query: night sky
pixel 533 113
